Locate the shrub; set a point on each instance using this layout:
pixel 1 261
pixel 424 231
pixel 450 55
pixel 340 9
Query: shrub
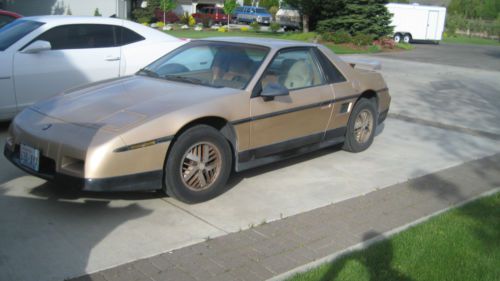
pixel 160 24
pixel 141 15
pixel 274 26
pixel 191 21
pixel 405 46
pixel 97 13
pixel 255 26
pixel 244 29
pixel 339 37
pixel 361 39
pixel 185 18
pixel 222 29
pixel 206 22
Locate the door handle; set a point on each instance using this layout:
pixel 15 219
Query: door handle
pixel 326 106
pixel 112 58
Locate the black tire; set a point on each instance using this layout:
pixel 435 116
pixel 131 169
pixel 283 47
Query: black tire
pixel 407 38
pixel 174 183
pixel 397 37
pixel 351 143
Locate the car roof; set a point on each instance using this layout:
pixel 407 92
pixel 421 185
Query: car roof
pixel 266 42
pixel 146 31
pixel 74 19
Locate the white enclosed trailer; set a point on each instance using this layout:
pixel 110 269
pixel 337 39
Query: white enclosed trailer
pixel 417 22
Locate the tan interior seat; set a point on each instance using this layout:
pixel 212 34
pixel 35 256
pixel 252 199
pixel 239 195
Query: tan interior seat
pixel 299 76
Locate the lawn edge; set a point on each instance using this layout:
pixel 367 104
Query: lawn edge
pixel 376 239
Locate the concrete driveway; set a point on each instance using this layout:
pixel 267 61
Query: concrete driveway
pixel 442 115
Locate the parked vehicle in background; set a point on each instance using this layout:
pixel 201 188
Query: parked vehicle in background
pixel 42 56
pixel 249 14
pixel 170 17
pixel 7 17
pixel 288 18
pixel 210 15
pixel 417 22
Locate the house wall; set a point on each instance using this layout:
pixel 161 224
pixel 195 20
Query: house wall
pixel 120 8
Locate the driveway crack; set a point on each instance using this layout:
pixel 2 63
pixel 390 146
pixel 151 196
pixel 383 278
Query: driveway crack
pixel 195 215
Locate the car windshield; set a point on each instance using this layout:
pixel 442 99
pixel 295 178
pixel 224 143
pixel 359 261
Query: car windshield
pixel 16 30
pixel 213 64
pixel 261 11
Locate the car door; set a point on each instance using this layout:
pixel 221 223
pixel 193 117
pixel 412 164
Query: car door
pixel 293 120
pixel 7 97
pixel 80 54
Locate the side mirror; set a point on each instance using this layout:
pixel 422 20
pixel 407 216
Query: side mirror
pixel 274 90
pixel 37 46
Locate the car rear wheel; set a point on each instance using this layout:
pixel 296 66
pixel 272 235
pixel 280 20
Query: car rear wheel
pixel 361 126
pixel 198 165
pixel 407 38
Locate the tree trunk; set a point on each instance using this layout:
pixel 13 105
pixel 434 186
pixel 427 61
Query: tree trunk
pixel 305 23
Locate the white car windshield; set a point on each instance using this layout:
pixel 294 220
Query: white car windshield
pixel 12 32
pixel 214 64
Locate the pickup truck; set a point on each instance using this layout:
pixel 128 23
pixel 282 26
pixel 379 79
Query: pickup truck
pixel 211 14
pixel 249 14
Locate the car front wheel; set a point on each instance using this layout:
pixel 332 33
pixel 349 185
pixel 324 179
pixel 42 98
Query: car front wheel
pixel 198 165
pixel 397 37
pixel 361 126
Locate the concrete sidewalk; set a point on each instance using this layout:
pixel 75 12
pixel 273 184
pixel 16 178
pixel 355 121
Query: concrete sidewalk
pixel 276 250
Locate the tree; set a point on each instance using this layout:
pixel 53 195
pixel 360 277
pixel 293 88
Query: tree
pixel 269 3
pixel 307 8
pixel 229 6
pixel 360 16
pixel 167 5
pixel 471 9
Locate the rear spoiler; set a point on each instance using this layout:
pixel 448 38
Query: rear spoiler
pixel 361 63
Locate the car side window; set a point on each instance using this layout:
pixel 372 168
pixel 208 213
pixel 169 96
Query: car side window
pixel 80 36
pixel 329 69
pixel 128 36
pixel 294 69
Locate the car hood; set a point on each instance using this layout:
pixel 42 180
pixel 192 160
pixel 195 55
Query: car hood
pixel 124 102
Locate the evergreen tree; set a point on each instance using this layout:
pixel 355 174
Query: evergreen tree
pixel 308 9
pixel 359 16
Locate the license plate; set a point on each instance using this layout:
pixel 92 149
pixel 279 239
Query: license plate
pixel 29 157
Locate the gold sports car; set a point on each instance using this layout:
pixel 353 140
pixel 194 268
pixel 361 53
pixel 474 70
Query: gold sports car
pixel 184 122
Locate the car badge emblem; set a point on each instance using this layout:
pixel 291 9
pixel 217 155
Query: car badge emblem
pixel 46 127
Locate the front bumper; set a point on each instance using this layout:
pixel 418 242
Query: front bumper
pixel 135 182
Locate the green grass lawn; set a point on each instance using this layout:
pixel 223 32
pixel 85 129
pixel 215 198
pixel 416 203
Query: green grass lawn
pixel 471 41
pixel 308 37
pixel 462 244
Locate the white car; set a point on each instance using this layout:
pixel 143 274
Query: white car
pixel 42 56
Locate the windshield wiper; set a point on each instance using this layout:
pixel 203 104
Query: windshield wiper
pixel 191 80
pixel 148 72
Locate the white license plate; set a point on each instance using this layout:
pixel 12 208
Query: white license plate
pixel 29 157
